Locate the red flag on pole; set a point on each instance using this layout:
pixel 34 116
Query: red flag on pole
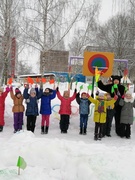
pixel 51 81
pixel 43 80
pixel 30 80
pixel 37 80
pixel 10 80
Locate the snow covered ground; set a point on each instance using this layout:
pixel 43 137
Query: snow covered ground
pixel 70 156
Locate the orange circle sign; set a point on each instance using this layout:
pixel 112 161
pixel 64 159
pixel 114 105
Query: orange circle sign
pixel 102 60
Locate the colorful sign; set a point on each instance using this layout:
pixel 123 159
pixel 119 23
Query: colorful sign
pixel 102 60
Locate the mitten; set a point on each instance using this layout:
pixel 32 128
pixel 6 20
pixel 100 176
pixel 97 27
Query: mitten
pixel 123 97
pixel 115 97
pixel 26 86
pixel 75 90
pixel 97 93
pixel 92 95
pixel 7 89
pixel 57 89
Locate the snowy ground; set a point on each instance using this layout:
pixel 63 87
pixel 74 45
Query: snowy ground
pixel 70 156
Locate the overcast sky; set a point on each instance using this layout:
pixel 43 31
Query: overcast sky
pixel 108 9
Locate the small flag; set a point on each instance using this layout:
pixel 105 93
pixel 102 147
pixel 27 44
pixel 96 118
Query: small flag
pixel 51 81
pixel 21 163
pixel 10 80
pixel 81 87
pixel 30 80
pixel 115 86
pixel 43 80
pixel 90 87
pixel 97 74
pixel 112 89
pixel 37 80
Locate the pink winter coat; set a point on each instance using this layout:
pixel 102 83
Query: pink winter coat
pixel 65 107
pixel 2 107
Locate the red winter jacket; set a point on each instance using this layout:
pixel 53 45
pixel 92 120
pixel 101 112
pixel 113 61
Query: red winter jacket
pixel 65 107
pixel 2 107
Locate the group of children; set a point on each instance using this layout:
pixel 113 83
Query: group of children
pixel 105 109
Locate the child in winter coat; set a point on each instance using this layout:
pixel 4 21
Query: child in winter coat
pixel 126 119
pixel 3 96
pixel 65 108
pixel 100 113
pixel 109 117
pixel 45 108
pixel 18 109
pixel 84 104
pixel 31 106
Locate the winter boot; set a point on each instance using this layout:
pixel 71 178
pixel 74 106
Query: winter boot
pixel 84 132
pixel 46 130
pixel 42 129
pixel 81 131
pixel 1 128
pixel 96 137
pixel 100 137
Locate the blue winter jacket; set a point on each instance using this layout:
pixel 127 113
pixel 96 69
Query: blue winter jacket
pixel 31 103
pixel 83 104
pixel 45 107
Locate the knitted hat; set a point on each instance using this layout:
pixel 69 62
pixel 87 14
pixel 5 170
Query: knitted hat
pixel 50 90
pixel 32 91
pixel 17 91
pixel 83 93
pixel 101 94
pixel 116 77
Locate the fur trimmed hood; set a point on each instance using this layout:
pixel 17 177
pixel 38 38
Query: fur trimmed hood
pixel 131 100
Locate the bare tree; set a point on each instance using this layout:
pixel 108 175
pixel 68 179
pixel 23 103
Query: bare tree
pixel 23 68
pixel 47 22
pixel 84 35
pixel 118 36
pixel 9 16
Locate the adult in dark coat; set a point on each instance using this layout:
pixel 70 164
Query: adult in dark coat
pixel 115 88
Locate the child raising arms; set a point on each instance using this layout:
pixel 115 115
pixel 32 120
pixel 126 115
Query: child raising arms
pixel 3 95
pixel 18 109
pixel 31 106
pixel 65 108
pixel 45 109
pixel 84 104
pixel 100 113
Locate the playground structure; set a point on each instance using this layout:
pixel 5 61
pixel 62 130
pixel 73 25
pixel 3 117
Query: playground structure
pixel 73 60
